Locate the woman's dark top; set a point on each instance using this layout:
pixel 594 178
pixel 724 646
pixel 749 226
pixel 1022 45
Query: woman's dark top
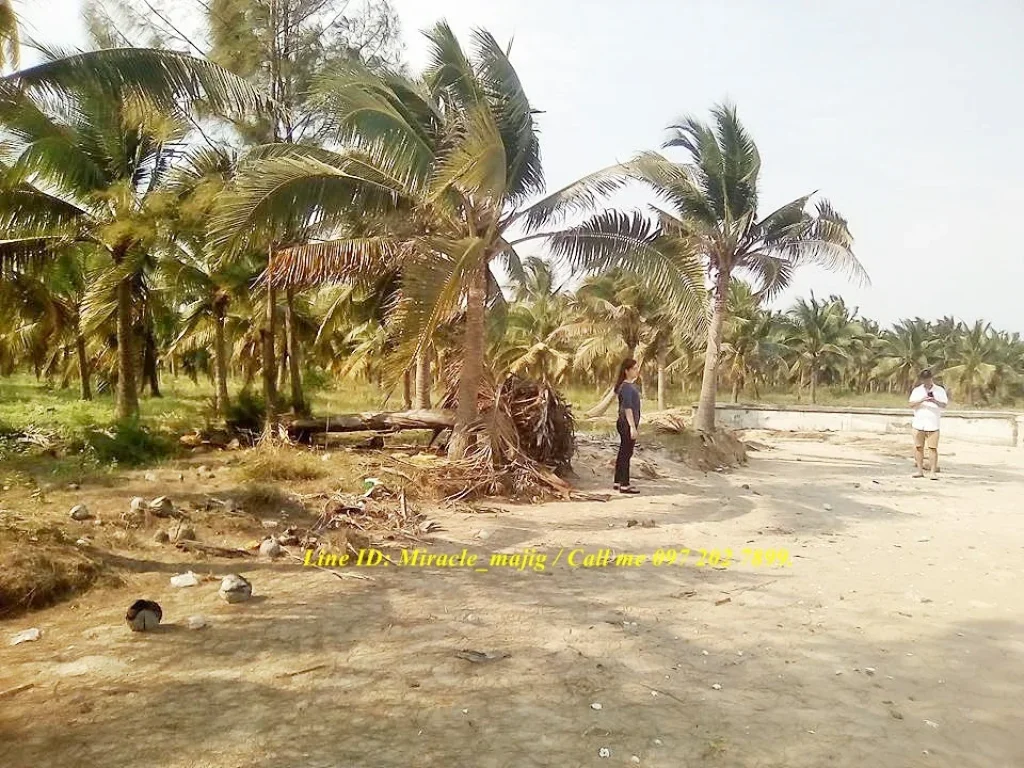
pixel 629 400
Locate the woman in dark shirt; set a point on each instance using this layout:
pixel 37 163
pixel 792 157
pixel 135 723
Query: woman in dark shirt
pixel 627 423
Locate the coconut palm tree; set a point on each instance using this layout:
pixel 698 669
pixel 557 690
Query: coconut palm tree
pixel 92 136
pixel 906 350
pixel 972 362
pixel 821 336
pixel 711 217
pixel 456 154
pixel 9 37
pixel 750 348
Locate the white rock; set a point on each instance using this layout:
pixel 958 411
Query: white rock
pixel 187 579
pixel 931 723
pixel 635 759
pixel 270 548
pixel 604 752
pixel 83 542
pixel 137 505
pixel 717 686
pixel 196 622
pixel 827 507
pixel 869 670
pixel 703 653
pixel 80 512
pixel 595 705
pixel 657 742
pixel 150 477
pixel 27 636
pixel 235 589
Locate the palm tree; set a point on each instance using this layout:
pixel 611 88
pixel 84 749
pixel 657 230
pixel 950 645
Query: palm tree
pixel 86 159
pixel 972 361
pixel 906 350
pixel 820 334
pixel 750 350
pixel 457 154
pixel 533 339
pixel 9 37
pixel 712 219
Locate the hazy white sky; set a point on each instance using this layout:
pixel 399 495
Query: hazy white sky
pixel 907 115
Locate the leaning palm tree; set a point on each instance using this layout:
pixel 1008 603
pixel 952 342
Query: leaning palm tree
pixel 91 138
pixel 711 214
pixel 972 363
pixel 443 166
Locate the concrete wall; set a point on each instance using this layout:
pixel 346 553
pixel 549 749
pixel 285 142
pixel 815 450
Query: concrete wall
pixel 990 428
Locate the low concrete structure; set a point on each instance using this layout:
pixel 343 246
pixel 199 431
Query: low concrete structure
pixel 986 427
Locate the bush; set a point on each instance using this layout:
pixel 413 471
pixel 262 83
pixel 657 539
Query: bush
pixel 246 412
pixel 128 443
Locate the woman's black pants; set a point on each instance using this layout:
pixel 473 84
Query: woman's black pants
pixel 626 444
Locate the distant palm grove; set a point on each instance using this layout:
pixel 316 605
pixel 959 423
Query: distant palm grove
pixel 258 192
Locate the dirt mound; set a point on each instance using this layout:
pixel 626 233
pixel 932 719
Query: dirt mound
pixel 38 568
pixel 699 450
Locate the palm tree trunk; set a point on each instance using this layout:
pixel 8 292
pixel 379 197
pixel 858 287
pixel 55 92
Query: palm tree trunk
pixel 221 362
pixel 407 390
pixel 423 379
pixel 814 384
pixel 292 344
pixel 127 393
pixel 472 365
pixel 267 333
pixel 709 383
pixel 661 382
pixel 83 366
pixel 736 390
pixel 150 373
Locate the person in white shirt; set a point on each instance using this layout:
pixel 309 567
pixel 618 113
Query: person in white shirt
pixel 928 400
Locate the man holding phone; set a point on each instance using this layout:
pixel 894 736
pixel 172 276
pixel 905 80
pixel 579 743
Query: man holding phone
pixel 928 401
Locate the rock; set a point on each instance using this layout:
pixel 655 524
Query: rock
pixel 235 589
pixel 717 687
pixel 604 752
pixel 270 548
pixel 195 622
pixel 143 615
pixel 137 505
pixel 183 532
pixel 596 706
pixel 161 506
pixel 80 512
pixel 73 486
pixel 635 759
pixel 150 477
pixel 869 671
pixel 27 636
pixel 827 507
pixel 187 579
pixel 83 542
pixel 270 524
pixel 161 537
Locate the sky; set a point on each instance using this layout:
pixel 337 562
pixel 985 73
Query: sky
pixel 907 116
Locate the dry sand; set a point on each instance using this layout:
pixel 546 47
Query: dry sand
pixel 894 639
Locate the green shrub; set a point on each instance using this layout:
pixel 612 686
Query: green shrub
pixel 128 443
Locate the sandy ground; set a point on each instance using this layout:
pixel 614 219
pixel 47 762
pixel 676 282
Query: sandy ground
pixel 895 638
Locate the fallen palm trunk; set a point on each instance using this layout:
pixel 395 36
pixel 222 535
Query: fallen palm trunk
pixel 372 422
